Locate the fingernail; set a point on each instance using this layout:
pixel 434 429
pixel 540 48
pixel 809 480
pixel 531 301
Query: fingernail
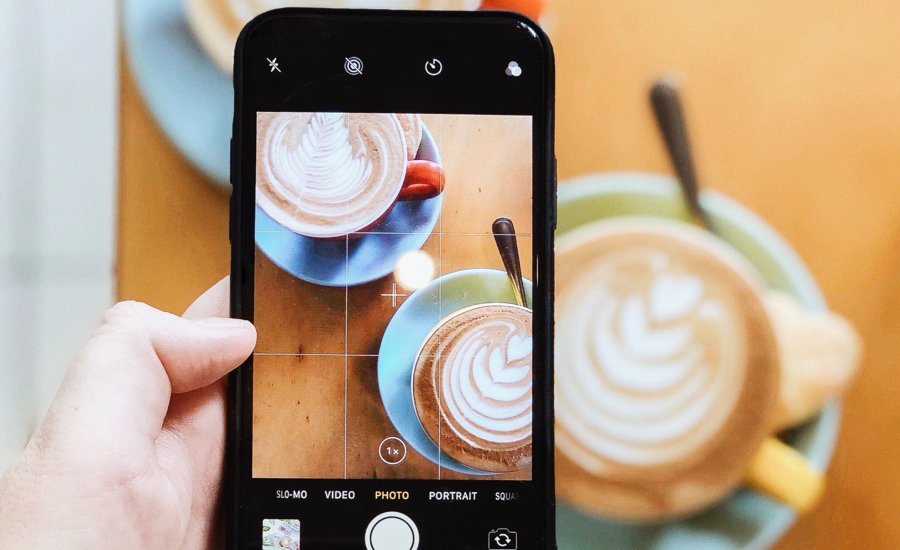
pixel 224 323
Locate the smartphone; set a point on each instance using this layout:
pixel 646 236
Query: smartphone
pixel 393 212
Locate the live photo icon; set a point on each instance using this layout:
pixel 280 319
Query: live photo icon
pixel 502 539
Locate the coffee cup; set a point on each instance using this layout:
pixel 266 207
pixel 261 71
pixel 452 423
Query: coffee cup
pixel 745 518
pixel 365 256
pixel 330 175
pixel 667 373
pixel 416 323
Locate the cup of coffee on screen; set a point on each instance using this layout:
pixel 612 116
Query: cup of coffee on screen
pixel 472 386
pixel 327 175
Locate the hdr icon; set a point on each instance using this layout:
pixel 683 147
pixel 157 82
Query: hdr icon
pixel 502 539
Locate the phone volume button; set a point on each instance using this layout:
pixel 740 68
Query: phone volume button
pixel 231 218
pixel 553 204
pixel 231 178
pixel 231 162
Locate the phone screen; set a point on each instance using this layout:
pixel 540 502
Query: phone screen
pixel 391 343
pixel 396 398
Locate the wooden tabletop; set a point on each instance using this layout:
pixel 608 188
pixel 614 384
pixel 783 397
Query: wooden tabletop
pixel 794 111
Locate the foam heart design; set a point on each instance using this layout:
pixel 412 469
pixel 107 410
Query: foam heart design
pixel 638 338
pixel 518 347
pixel 673 296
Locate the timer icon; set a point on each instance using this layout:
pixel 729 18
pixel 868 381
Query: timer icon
pixel 434 67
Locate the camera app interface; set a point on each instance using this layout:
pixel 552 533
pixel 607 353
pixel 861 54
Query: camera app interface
pixel 393 299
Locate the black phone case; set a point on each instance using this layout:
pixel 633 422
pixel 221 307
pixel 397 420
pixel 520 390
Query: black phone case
pixel 243 194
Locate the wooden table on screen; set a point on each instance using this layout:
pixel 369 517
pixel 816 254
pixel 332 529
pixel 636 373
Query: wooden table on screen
pixel 794 112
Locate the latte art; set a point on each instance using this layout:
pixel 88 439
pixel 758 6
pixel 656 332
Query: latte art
pixel 486 382
pixel 646 373
pixel 666 368
pixel 475 374
pixel 328 174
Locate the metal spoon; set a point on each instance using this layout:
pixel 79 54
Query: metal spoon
pixel 670 118
pixel 505 235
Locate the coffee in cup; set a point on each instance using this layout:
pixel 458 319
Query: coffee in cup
pixel 667 368
pixel 327 175
pixel 472 387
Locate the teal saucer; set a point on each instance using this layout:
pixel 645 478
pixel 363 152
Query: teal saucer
pixel 407 331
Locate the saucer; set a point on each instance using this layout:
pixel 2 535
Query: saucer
pixel 188 96
pixel 365 256
pixel 406 332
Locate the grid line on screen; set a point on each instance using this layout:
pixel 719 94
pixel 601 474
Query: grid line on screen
pixel 439 232
pixel 440 287
pixel 346 331
pixel 272 354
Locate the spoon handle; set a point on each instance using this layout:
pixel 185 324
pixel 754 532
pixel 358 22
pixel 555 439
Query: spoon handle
pixel 505 235
pixel 670 118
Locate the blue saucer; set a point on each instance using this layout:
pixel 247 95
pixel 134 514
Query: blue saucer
pixel 406 333
pixel 190 98
pixel 355 261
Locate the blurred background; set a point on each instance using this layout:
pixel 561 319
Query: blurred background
pixel 59 135
pixel 108 191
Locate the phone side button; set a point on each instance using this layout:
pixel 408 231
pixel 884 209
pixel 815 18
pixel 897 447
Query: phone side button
pixel 231 158
pixel 231 199
pixel 231 217
pixel 553 204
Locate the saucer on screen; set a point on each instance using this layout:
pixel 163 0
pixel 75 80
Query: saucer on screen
pixel 408 329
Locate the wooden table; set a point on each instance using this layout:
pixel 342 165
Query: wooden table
pixel 794 110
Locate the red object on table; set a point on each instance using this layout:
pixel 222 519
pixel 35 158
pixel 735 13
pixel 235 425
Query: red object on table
pixel 530 8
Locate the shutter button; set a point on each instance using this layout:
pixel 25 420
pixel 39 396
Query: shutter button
pixel 392 531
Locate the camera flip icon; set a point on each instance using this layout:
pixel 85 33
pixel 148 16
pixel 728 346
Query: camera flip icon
pixel 502 539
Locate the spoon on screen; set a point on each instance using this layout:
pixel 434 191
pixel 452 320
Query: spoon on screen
pixel 670 117
pixel 505 236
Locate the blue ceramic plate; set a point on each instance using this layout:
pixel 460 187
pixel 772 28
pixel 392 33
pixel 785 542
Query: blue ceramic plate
pixel 406 333
pixel 348 262
pixel 190 98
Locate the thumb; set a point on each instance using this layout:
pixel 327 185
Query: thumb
pixel 215 302
pixel 191 353
pixel 139 356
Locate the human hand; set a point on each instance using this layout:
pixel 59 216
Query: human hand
pixel 130 453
